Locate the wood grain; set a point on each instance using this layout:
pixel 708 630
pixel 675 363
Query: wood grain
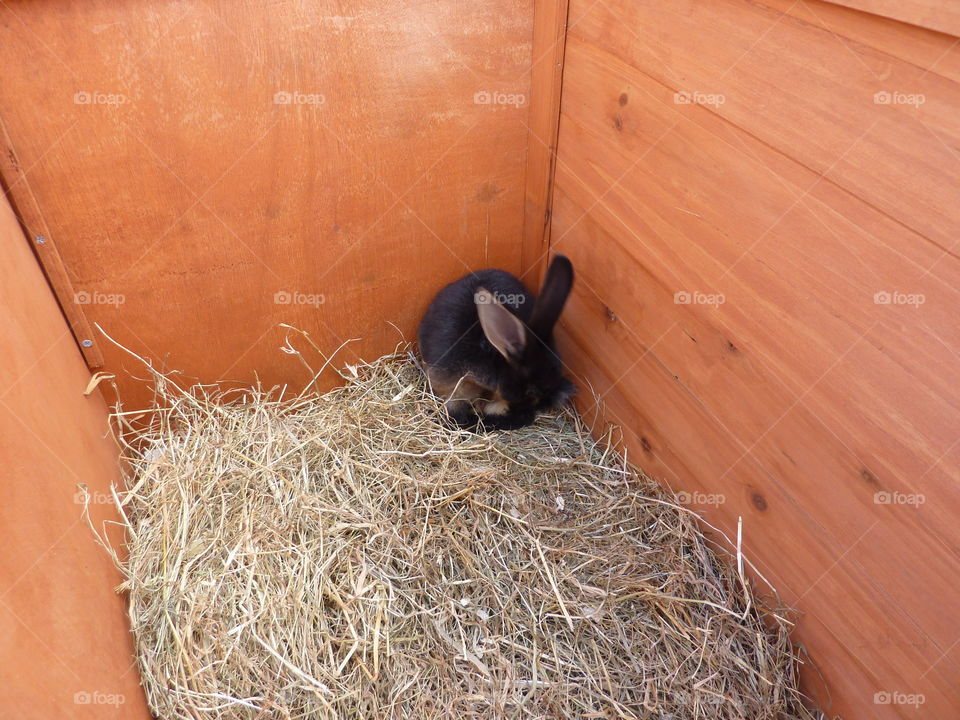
pixel 220 168
pixel 750 170
pixel 915 45
pixel 65 647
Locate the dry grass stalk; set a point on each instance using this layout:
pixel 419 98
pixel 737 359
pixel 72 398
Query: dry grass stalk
pixel 345 555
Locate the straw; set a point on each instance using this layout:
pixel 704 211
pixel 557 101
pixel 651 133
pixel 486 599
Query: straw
pixel 347 555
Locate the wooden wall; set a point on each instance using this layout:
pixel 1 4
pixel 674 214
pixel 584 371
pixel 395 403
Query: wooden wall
pixel 209 169
pixel 761 199
pixel 65 650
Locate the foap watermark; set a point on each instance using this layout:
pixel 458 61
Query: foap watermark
pixel 98 698
pixel 294 97
pixel 886 697
pixel 893 497
pixel 495 97
pixel 284 297
pixel 512 299
pixel 95 97
pixel 686 97
pixel 83 496
pixel 86 297
pixel 895 97
pixel 685 297
pixel 699 498
pixel 895 297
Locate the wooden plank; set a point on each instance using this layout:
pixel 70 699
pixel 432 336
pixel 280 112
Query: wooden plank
pixel 800 397
pixel 721 171
pixel 680 444
pixel 836 107
pixel 325 169
pixel 926 50
pixel 546 81
pixel 689 344
pixel 621 209
pixel 940 15
pixel 65 646
pixel 12 171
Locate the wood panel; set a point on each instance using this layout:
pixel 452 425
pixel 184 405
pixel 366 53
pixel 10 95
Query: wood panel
pixel 46 250
pixel 740 209
pixel 209 170
pixel 65 648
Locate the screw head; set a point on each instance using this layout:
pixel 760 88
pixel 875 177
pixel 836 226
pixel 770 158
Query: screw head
pixel 87 343
pixel 41 239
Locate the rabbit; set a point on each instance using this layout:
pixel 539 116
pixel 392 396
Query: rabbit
pixel 488 347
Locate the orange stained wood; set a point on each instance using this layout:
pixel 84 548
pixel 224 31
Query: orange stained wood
pixel 65 647
pixel 941 15
pixel 546 76
pixel 72 305
pixel 760 200
pixel 210 170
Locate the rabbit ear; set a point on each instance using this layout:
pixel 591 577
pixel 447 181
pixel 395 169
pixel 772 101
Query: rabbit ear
pixel 503 329
pixel 553 295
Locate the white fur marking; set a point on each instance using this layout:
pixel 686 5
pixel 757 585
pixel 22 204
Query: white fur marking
pixel 496 407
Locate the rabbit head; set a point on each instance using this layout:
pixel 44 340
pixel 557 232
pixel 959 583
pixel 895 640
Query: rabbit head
pixel 534 379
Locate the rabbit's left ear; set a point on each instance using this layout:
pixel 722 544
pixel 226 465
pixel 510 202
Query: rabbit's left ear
pixel 503 329
pixel 553 295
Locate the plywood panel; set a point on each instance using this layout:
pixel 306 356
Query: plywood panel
pixel 65 649
pixel 740 211
pixel 209 169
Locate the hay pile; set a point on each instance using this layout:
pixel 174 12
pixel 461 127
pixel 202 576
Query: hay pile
pixel 347 556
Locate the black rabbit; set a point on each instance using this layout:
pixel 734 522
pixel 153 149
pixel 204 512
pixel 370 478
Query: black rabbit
pixel 488 347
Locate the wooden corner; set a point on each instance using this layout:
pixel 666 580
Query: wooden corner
pixel 546 76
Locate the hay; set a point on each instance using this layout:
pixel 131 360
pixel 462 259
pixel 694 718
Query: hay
pixel 347 556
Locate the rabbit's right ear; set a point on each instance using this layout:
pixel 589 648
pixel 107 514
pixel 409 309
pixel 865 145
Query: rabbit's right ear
pixel 503 329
